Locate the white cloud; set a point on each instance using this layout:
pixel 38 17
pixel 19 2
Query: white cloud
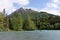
pixel 52 7
pixel 8 4
pixel 55 12
pixel 21 2
pixel 32 8
pixel 55 1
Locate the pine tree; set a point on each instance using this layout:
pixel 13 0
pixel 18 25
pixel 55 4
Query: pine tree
pixel 16 22
pixel 19 22
pixel 2 27
pixel 5 20
pixel 29 24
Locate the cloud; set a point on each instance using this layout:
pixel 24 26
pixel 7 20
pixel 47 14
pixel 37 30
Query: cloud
pixel 52 7
pixel 55 1
pixel 32 8
pixel 8 4
pixel 21 2
pixel 51 11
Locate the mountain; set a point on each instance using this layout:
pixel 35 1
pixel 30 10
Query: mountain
pixel 29 19
pixel 32 13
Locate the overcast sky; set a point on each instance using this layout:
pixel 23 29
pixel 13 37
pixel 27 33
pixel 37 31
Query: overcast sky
pixel 51 6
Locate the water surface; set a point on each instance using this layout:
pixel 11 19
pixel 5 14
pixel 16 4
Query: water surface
pixel 31 35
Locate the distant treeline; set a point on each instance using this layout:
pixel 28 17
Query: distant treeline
pixel 17 23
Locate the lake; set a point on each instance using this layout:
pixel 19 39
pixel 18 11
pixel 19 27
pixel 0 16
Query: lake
pixel 31 35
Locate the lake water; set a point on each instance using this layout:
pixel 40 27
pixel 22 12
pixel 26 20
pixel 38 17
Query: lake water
pixel 31 35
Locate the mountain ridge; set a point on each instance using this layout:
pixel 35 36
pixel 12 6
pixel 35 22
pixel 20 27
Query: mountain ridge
pixel 32 13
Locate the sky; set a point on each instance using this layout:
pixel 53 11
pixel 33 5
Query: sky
pixel 50 6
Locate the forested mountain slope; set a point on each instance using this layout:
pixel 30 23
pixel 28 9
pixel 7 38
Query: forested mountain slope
pixel 32 13
pixel 28 19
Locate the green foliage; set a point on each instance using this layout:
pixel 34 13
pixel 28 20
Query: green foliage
pixel 54 19
pixel 1 22
pixel 27 19
pixel 35 20
pixel 2 27
pixel 57 26
pixel 16 22
pixel 46 26
pixel 29 24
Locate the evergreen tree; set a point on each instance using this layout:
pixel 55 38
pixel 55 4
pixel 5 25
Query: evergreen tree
pixel 16 22
pixel 6 22
pixel 2 27
pixel 29 24
pixel 57 26
pixel 1 22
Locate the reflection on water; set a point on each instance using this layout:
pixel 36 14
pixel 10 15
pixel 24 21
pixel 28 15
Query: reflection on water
pixel 31 35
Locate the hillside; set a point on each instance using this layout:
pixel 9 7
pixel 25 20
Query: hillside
pixel 32 13
pixel 34 20
pixel 28 19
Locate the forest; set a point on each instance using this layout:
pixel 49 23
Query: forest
pixel 29 20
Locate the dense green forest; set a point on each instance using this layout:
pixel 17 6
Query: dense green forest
pixel 28 19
